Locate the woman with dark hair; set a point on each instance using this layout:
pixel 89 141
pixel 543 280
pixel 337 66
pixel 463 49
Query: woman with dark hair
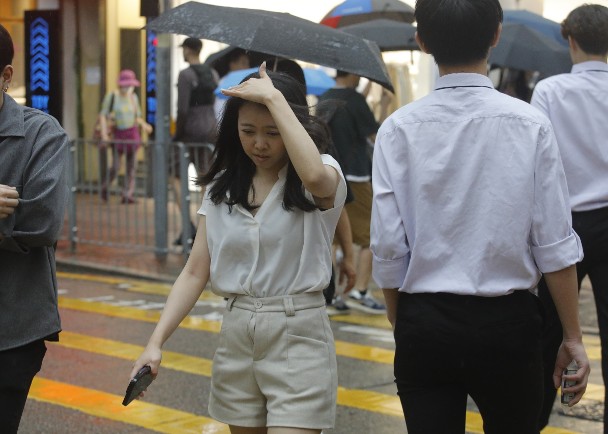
pixel 270 210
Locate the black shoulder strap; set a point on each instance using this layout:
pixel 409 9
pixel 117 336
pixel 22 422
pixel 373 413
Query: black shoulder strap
pixel 112 102
pixel 204 75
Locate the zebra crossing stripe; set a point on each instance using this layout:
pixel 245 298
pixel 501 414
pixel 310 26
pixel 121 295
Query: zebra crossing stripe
pixel 108 406
pixel 355 398
pixel 345 349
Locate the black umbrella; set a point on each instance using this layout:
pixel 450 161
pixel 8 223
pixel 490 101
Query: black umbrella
pixel 358 11
pixel 277 34
pixel 521 47
pixel 388 34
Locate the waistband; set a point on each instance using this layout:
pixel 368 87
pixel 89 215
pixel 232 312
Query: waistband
pixel 287 303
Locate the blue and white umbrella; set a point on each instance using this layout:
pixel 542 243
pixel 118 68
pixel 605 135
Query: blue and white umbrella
pixel 317 80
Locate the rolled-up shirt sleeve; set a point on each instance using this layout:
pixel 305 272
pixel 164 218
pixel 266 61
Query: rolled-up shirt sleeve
pixel 555 245
pixel 388 241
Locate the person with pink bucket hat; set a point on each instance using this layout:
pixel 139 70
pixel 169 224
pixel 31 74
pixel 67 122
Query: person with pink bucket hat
pixel 120 118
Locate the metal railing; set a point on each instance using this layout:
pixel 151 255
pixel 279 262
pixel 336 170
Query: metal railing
pixel 164 197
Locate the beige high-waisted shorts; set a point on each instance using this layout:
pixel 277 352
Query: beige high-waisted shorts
pixel 275 364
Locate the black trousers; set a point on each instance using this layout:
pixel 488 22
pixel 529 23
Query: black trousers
pixel 18 366
pixel 330 291
pixel 449 346
pixel 592 228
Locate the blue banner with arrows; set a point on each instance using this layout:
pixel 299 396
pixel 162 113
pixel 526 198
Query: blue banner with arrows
pixel 43 61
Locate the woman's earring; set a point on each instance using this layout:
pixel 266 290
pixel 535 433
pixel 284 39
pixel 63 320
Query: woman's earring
pixel 5 88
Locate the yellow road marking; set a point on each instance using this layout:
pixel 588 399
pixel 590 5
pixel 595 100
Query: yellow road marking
pixel 135 314
pixel 592 343
pixel 361 352
pixel 144 287
pixel 122 350
pixel 594 392
pixel 108 406
pixel 376 321
pixel 346 349
pixel 354 398
pixel 593 346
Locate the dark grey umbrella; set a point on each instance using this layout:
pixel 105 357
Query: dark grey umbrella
pixel 521 47
pixel 388 34
pixel 277 34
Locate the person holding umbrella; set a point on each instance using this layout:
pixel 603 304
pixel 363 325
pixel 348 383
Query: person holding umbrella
pixel 577 104
pixel 469 208
pixel 272 202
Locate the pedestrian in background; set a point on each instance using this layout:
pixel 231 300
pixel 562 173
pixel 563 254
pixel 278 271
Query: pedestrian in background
pixel 195 123
pixel 33 196
pixel 270 210
pixel 352 125
pixel 235 60
pixel 470 206
pixel 343 236
pixel 119 120
pixel 577 105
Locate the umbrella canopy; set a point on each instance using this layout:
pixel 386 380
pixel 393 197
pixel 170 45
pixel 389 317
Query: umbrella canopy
pixel 357 11
pixel 317 80
pixel 277 34
pixel 549 28
pixel 521 47
pixel 388 34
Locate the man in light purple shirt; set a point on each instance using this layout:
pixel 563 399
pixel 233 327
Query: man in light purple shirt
pixel 470 207
pixel 577 105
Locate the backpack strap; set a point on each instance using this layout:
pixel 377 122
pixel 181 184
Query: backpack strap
pixel 112 102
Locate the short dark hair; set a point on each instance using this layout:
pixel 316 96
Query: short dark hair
pixel 588 26
pixel 7 50
pixel 292 68
pixel 232 170
pixel 458 32
pixel 194 44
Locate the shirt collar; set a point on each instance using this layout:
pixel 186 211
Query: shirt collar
pixel 463 79
pixel 11 119
pixel 592 65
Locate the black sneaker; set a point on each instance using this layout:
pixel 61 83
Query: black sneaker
pixel 338 307
pixel 178 240
pixel 365 302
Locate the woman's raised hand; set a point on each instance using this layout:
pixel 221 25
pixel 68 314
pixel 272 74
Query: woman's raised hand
pixel 258 90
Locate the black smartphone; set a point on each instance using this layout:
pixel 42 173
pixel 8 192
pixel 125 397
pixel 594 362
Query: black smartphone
pixel 138 384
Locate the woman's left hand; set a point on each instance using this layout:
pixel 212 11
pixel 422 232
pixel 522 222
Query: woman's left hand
pixel 258 90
